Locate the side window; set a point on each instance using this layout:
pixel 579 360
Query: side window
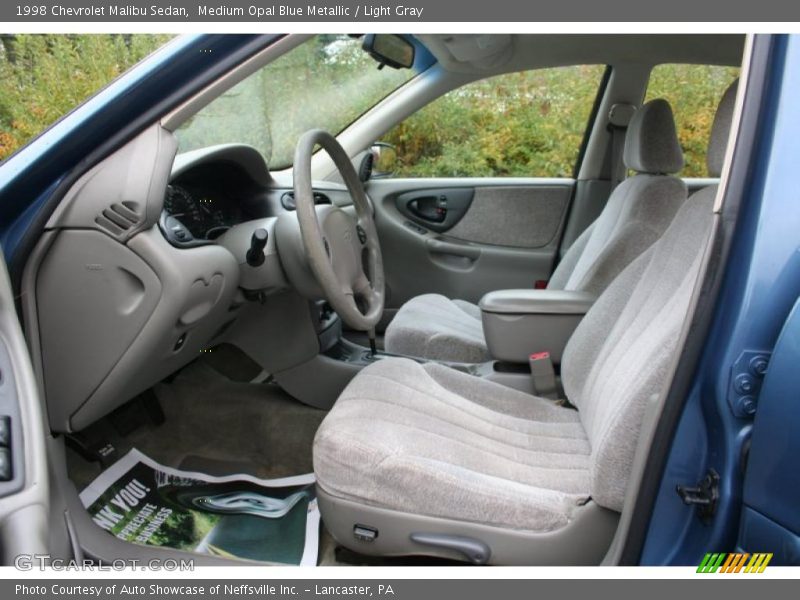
pixel 693 91
pixel 526 124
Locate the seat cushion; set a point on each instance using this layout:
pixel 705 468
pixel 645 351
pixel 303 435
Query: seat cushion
pixel 429 440
pixel 435 327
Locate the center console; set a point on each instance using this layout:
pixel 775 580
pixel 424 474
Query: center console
pixel 517 323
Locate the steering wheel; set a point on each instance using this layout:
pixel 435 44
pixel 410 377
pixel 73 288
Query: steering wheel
pixel 336 244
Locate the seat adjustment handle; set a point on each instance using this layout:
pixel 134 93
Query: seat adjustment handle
pixel 476 551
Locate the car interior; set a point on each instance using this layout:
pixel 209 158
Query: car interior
pixel 469 363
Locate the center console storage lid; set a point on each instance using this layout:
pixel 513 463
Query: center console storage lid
pixel 524 301
pixel 517 323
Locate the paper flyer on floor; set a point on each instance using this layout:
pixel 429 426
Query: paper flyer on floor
pixel 239 516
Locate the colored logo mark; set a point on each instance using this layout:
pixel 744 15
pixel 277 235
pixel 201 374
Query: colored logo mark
pixel 734 562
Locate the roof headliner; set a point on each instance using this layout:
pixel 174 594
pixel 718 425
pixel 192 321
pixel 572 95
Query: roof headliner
pixel 499 53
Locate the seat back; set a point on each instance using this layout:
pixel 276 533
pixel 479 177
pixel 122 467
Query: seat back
pixel 638 211
pixel 618 360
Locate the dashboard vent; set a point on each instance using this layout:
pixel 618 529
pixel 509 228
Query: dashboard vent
pixel 287 200
pixel 118 218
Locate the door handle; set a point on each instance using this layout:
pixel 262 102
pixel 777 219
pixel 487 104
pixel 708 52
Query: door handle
pixel 441 247
pixel 437 209
pixel 429 208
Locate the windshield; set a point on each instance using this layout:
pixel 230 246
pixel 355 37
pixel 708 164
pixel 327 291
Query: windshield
pixel 326 83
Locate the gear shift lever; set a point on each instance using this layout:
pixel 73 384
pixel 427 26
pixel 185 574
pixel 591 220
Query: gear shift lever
pixel 373 347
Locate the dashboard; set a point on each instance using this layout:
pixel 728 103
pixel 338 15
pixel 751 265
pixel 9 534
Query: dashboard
pixel 180 285
pixel 213 190
pixel 197 215
pixel 208 198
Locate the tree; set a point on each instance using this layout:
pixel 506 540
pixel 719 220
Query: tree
pixel 46 76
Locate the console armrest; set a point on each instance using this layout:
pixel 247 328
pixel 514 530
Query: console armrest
pixel 517 323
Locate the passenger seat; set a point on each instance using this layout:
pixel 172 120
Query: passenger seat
pixel 638 212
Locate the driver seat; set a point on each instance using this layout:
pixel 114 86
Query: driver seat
pixel 423 459
pixel 637 213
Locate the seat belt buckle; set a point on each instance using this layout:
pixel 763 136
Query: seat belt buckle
pixel 540 284
pixel 543 375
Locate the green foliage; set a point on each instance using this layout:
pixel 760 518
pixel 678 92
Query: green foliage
pixel 177 531
pixel 694 92
pixel 45 76
pixel 531 124
pixel 521 124
pixel 183 529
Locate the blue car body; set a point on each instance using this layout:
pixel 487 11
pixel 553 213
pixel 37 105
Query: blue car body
pixel 757 313
pixel 757 316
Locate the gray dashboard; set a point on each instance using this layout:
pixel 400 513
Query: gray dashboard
pixel 140 301
pixel 215 189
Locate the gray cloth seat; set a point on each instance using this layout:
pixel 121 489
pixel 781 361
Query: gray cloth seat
pixel 637 213
pixel 494 464
pixel 411 448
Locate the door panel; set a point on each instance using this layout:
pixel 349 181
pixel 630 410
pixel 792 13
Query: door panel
pixel 24 500
pixel 770 520
pixel 505 234
pixel 519 217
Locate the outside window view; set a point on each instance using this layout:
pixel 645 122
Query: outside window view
pixel 327 82
pixel 522 124
pixel 46 76
pixel 519 124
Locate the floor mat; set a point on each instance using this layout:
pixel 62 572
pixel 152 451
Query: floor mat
pixel 258 426
pixel 236 516
pixel 209 415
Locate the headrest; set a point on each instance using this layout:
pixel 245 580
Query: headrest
pixel 651 144
pixel 720 131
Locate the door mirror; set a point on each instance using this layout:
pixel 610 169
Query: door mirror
pixel 380 162
pixel 389 49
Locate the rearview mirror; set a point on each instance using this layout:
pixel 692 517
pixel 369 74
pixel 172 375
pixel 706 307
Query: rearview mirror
pixel 390 49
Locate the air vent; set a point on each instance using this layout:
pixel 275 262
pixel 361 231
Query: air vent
pixel 118 218
pixel 287 200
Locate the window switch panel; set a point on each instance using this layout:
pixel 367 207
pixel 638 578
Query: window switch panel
pixel 5 432
pixel 6 472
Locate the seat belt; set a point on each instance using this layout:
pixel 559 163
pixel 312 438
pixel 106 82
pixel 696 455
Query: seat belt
pixel 543 375
pixel 543 379
pixel 619 116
